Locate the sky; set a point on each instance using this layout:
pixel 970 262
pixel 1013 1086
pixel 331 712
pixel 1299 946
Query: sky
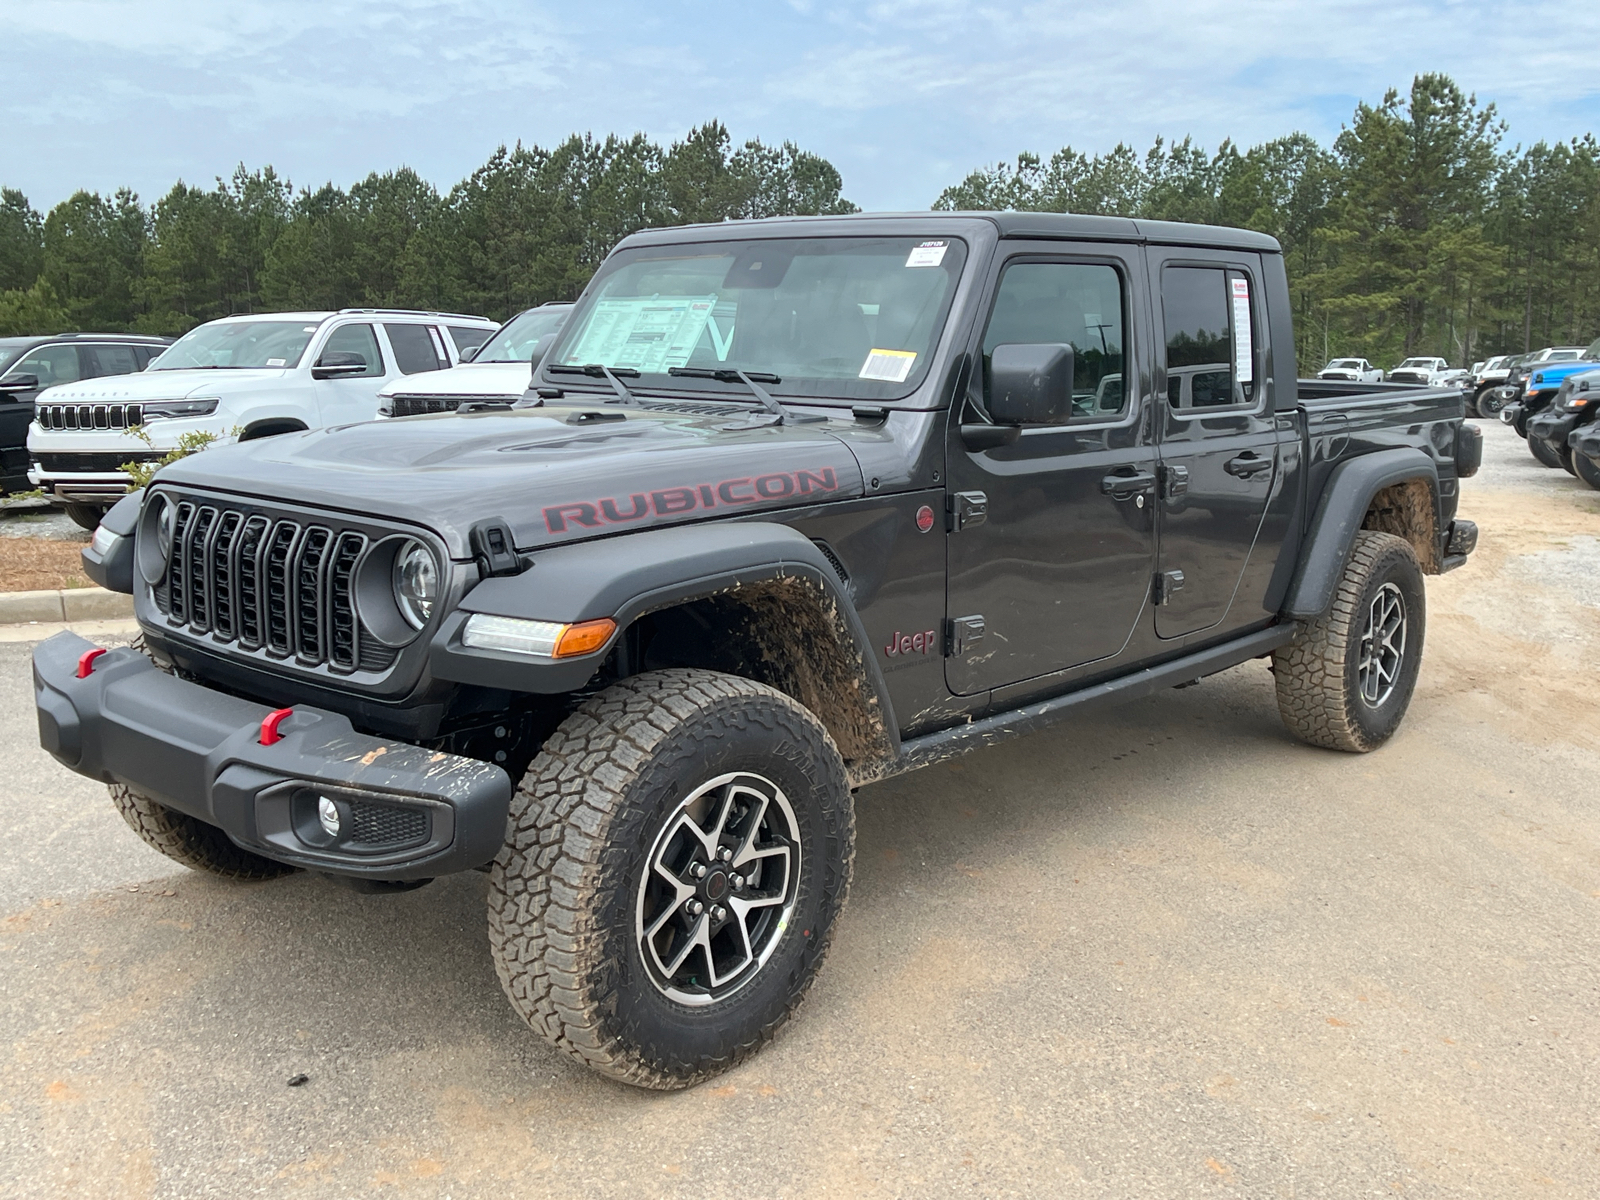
pixel 903 98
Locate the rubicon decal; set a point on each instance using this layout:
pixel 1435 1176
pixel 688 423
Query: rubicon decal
pixel 910 643
pixel 670 502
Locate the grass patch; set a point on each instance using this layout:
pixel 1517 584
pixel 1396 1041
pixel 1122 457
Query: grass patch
pixel 40 564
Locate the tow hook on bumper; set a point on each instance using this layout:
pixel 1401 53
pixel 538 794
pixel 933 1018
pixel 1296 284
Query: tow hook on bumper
pixel 317 795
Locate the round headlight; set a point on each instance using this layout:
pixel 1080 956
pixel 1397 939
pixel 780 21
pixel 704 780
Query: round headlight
pixel 153 546
pixel 164 521
pixel 416 583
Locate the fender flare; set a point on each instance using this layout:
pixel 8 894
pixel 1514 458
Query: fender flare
pixel 1345 498
pixel 628 576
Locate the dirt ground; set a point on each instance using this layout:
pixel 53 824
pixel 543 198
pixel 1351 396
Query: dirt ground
pixel 1161 951
pixel 35 564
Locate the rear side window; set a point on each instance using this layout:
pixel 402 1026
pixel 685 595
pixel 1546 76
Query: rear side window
pixel 111 360
pixel 1077 303
pixel 350 344
pixel 468 338
pixel 1210 337
pixel 416 348
pixel 52 364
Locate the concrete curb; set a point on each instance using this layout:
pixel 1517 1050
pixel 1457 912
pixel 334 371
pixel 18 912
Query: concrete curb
pixel 69 604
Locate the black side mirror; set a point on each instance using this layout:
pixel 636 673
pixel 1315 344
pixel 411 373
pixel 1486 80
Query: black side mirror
pixel 337 364
pixel 20 383
pixel 1030 384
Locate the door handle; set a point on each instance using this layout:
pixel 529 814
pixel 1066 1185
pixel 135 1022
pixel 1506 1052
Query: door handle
pixel 1246 464
pixel 1121 487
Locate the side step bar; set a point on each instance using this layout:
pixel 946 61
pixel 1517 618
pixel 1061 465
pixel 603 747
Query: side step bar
pixel 932 748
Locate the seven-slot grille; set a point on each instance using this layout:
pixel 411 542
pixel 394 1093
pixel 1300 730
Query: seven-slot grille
pixel 269 583
pixel 88 416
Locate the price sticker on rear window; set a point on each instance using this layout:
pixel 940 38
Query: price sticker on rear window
pixel 1243 353
pixel 928 254
pixel 891 366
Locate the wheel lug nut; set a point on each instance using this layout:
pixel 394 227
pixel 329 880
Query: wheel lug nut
pixel 738 882
pixel 696 908
pixel 727 855
pixel 699 871
pixel 718 913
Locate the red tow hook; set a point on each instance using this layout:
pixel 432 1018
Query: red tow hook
pixel 86 661
pixel 270 723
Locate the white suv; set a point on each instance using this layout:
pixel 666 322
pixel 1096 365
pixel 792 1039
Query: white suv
pixel 500 369
pixel 258 375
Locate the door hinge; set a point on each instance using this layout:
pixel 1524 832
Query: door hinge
pixel 961 634
pixel 964 510
pixel 1167 584
pixel 1174 481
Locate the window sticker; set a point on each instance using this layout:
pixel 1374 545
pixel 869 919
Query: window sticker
pixel 890 366
pixel 276 362
pixel 929 254
pixel 647 333
pixel 1243 353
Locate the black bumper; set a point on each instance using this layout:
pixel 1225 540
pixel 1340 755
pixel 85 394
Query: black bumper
pixel 1552 428
pixel 405 812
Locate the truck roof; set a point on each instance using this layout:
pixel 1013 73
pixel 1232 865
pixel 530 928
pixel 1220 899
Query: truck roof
pixel 1057 226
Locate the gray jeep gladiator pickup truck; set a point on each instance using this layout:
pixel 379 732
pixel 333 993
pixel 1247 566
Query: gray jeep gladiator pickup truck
pixel 791 506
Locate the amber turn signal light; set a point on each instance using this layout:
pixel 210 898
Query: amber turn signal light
pixel 585 637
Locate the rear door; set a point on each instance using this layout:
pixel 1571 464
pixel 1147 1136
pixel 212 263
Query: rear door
pixel 1052 538
pixel 1219 444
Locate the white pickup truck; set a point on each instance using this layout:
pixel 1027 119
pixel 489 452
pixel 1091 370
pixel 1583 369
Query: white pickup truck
pixel 1358 370
pixel 500 369
pixel 1430 372
pixel 244 376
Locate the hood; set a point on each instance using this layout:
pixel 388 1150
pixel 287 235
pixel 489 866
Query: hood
pixel 161 385
pixel 554 474
pixel 469 379
pixel 1551 375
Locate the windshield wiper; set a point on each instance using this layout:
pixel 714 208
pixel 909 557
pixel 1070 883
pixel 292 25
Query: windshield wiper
pixel 779 414
pixel 596 371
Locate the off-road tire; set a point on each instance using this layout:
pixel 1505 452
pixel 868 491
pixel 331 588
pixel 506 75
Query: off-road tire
pixel 85 516
pixel 583 824
pixel 1318 673
pixel 1543 451
pixel 189 841
pixel 1587 470
pixel 1565 456
pixel 185 839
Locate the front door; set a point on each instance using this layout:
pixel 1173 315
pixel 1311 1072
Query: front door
pixel 346 398
pixel 1219 443
pixel 1052 539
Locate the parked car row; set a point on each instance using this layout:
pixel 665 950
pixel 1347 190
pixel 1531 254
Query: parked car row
pixel 1425 372
pixel 77 407
pixel 1552 401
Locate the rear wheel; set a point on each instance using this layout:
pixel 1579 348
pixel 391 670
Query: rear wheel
pixel 1345 682
pixel 674 862
pixel 86 516
pixel 1543 451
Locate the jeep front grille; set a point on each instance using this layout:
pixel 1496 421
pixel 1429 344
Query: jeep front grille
pixel 274 584
pixel 88 416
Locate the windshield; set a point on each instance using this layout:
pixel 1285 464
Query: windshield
pixel 1562 355
pixel 525 336
pixel 1415 362
pixel 234 344
pixel 852 318
pixel 1345 364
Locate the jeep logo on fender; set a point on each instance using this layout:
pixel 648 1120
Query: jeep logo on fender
pixel 668 502
pixel 910 643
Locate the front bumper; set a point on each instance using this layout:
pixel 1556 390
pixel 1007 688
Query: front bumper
pixel 81 486
pixel 406 812
pixel 1552 428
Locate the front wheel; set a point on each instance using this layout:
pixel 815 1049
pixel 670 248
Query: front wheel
pixel 1346 680
pixel 1489 404
pixel 675 859
pixel 1543 452
pixel 1588 470
pixel 189 841
pixel 85 516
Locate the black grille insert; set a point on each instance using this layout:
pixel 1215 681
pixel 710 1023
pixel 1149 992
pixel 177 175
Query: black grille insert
pixel 386 825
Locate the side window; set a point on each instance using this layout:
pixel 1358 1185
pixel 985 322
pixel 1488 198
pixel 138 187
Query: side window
pixel 52 364
pixel 1210 337
pixel 349 344
pixel 1078 303
pixel 416 348
pixel 112 360
pixel 146 353
pixel 468 338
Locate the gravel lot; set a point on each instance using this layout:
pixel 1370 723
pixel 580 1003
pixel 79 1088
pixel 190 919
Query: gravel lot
pixel 1162 952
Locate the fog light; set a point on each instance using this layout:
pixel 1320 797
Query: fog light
pixel 328 814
